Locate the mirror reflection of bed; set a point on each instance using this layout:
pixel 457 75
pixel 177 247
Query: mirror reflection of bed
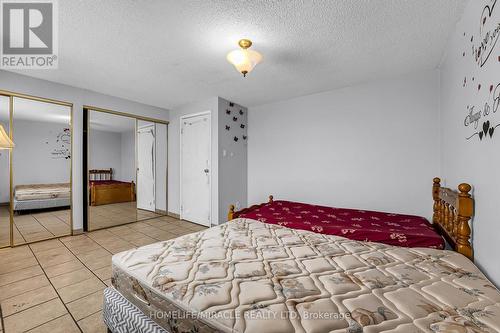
pixel 119 189
pixel 41 172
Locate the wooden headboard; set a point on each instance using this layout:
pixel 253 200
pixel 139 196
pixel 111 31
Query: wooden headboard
pixel 452 212
pixel 101 174
pixel 232 214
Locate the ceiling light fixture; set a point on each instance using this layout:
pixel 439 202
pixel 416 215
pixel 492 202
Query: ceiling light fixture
pixel 244 59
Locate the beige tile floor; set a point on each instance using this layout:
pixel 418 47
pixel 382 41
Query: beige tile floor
pixel 57 285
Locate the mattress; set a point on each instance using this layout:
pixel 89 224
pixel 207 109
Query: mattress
pixel 364 225
pixel 41 204
pixel 42 191
pixel 249 276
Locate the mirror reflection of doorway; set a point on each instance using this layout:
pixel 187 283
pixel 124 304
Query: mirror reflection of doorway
pixel 146 155
pixel 35 182
pixel 127 182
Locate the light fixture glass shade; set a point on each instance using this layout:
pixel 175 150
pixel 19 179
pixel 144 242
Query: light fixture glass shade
pixel 5 141
pixel 244 60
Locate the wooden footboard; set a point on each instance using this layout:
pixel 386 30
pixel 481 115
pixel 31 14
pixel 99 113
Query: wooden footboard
pixel 452 212
pixel 105 194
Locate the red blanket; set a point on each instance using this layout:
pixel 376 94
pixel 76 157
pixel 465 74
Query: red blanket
pixel 106 182
pixel 392 229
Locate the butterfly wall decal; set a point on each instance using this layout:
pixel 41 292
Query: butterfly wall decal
pixel 241 112
pixel 242 126
pixel 228 111
pixel 235 119
pixel 236 139
pixel 228 128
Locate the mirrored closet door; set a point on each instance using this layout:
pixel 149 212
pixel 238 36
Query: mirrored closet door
pixel 35 175
pixel 5 174
pixel 126 168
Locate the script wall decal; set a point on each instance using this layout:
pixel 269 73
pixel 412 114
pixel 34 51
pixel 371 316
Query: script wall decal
pixel 489 31
pixel 482 119
pixel 477 116
pixel 62 149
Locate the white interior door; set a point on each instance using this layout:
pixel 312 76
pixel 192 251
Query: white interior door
pixel 195 169
pixel 146 156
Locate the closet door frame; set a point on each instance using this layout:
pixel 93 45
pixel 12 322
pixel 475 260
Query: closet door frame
pixel 86 168
pixel 11 95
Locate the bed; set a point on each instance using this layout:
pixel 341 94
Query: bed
pixel 363 225
pixel 249 276
pixel 104 190
pixel 388 228
pixel 41 196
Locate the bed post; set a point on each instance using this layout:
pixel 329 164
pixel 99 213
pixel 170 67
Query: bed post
pixel 271 198
pixel 435 195
pixel 465 211
pixel 230 215
pixel 92 194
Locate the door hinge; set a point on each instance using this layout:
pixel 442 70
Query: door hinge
pixel 181 208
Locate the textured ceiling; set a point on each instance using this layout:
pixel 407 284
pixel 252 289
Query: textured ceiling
pixel 168 53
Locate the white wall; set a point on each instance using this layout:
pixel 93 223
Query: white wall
pixel 232 158
pixel 35 142
pixel 128 172
pixel 4 177
pixel 372 146
pixel 474 161
pixel 105 151
pixel 161 167
pixel 210 104
pixel 79 97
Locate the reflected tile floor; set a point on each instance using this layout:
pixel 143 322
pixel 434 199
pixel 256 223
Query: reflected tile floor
pixel 106 216
pixel 57 285
pixel 34 226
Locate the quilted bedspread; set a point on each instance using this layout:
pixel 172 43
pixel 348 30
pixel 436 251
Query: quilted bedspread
pixel 248 276
pixel 42 191
pixel 387 228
